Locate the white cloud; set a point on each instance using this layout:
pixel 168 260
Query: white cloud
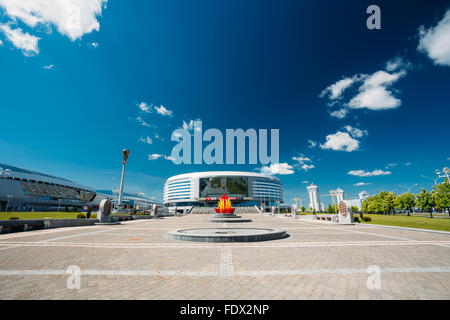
pixel 340 114
pixel 277 168
pixel 1 43
pixel 144 107
pixel 355 132
pixel 148 108
pixel 301 158
pixel 146 140
pixel 306 167
pixel 397 63
pixel 435 41
pixel 335 90
pixel 362 184
pixel 142 122
pixel 377 98
pixel 155 156
pixel 94 45
pixel 362 173
pixel 340 141
pixel 409 163
pixel 50 66
pixel 381 78
pixel 373 93
pixel 390 165
pixel 302 162
pixel 305 181
pixel 24 41
pixel 72 18
pixel 312 143
pixel 188 125
pixel 163 111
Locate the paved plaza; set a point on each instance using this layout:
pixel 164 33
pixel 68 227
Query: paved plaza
pixel 137 260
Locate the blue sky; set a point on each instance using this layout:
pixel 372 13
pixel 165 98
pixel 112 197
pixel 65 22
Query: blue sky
pixel 72 96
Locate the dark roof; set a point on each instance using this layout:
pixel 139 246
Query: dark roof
pixel 20 170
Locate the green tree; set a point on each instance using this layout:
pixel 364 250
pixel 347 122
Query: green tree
pixel 329 209
pixel 303 209
pixel 380 203
pixel 404 202
pixel 372 204
pixel 424 202
pixel 354 208
pixel 386 201
pixel 440 196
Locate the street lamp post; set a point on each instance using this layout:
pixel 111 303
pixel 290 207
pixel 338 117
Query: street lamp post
pixel 444 174
pixel 409 188
pixel 125 154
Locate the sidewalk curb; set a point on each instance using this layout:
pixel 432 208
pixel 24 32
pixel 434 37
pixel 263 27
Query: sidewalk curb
pixel 404 228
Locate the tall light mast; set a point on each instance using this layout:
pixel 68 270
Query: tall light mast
pixel 125 154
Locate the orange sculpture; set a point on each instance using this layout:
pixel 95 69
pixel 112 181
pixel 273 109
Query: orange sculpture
pixel 224 205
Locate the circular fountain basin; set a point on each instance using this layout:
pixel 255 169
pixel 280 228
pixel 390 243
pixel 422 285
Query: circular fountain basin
pixel 226 215
pixel 227 234
pixel 227 220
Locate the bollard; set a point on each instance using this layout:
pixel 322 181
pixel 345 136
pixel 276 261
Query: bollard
pixel 47 223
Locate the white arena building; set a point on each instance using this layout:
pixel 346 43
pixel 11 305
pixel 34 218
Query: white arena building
pixel 203 189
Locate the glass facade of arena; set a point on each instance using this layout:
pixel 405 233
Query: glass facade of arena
pixel 267 191
pixel 177 191
pixel 199 189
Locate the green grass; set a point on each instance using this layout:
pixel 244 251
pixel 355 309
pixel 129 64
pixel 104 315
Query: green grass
pixel 442 224
pixel 41 215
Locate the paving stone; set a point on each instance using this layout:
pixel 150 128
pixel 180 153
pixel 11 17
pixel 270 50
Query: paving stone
pixel 137 260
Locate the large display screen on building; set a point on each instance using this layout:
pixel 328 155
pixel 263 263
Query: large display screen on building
pixel 217 186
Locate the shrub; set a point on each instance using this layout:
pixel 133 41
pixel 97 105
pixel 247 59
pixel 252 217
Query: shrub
pixel 13 218
pixel 88 212
pixel 356 219
pixel 81 216
pixel 361 214
pixel 367 219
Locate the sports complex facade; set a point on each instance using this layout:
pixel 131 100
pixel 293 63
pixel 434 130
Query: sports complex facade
pixel 205 188
pixel 27 190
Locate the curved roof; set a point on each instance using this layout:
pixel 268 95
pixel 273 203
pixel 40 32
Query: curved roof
pixel 16 172
pixel 221 173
